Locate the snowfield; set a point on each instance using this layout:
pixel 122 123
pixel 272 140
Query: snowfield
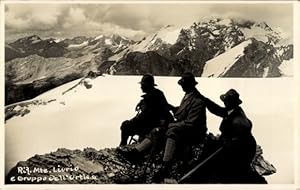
pixel 90 114
pixel 218 66
pixel 85 43
pixel 168 35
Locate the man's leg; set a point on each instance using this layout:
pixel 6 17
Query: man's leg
pixel 169 151
pixel 126 130
pixel 144 145
pixel 140 148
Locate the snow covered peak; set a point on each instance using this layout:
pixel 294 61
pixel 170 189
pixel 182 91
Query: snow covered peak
pixel 108 42
pixel 58 40
pixel 225 22
pixel 166 36
pixel 34 38
pixel 99 37
pixel 28 40
pixel 83 44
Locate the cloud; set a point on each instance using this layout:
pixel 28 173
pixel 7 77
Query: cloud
pixel 39 17
pixel 75 17
pixel 276 15
pixel 133 20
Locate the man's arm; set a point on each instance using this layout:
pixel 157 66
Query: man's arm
pixel 215 108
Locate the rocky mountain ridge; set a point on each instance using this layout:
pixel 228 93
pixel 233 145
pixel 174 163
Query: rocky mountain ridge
pixel 107 166
pixel 168 52
pixel 192 47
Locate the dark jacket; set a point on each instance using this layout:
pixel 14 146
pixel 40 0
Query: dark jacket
pixel 153 108
pixel 238 141
pixel 190 120
pixel 192 113
pixel 234 126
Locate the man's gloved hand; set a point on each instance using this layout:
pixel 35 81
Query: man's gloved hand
pixel 157 129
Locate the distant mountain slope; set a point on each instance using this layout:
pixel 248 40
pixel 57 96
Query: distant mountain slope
pixel 34 45
pixel 252 58
pixel 196 45
pixel 34 65
pixel 209 48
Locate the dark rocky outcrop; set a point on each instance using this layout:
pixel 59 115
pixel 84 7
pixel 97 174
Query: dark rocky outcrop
pixel 12 53
pixel 106 166
pixel 20 92
pixel 33 45
pixel 138 63
pixel 22 108
pixel 259 60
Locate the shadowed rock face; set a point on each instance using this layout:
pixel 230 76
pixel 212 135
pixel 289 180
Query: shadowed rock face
pixel 106 166
pixel 19 92
pixel 138 63
pixel 33 45
pixel 258 61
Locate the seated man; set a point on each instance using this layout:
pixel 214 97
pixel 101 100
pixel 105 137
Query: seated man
pixel 152 111
pixel 239 146
pixel 189 126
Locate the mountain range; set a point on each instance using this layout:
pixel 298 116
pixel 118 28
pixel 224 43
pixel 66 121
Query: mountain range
pixel 209 48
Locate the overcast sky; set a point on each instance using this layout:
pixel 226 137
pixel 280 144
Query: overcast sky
pixel 131 20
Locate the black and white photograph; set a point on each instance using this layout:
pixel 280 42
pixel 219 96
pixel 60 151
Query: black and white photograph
pixel 149 93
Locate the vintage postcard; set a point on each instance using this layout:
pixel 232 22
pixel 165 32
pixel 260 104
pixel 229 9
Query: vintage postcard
pixel 140 92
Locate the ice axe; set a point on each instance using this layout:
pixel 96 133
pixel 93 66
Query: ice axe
pixel 199 165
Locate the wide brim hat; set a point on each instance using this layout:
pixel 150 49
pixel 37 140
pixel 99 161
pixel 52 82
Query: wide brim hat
pixel 147 79
pixel 187 78
pixel 231 97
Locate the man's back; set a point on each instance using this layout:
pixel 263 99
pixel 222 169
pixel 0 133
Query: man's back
pixel 154 107
pixel 191 112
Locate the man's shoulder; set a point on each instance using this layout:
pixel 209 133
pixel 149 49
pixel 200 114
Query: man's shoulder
pixel 155 93
pixel 240 117
pixel 158 92
pixel 198 97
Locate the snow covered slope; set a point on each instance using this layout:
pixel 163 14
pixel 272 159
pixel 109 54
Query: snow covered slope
pixel 88 113
pixel 262 32
pixel 218 66
pixel 165 36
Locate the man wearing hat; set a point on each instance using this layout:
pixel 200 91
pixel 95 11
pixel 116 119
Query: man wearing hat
pixel 189 127
pixel 152 111
pixel 239 145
